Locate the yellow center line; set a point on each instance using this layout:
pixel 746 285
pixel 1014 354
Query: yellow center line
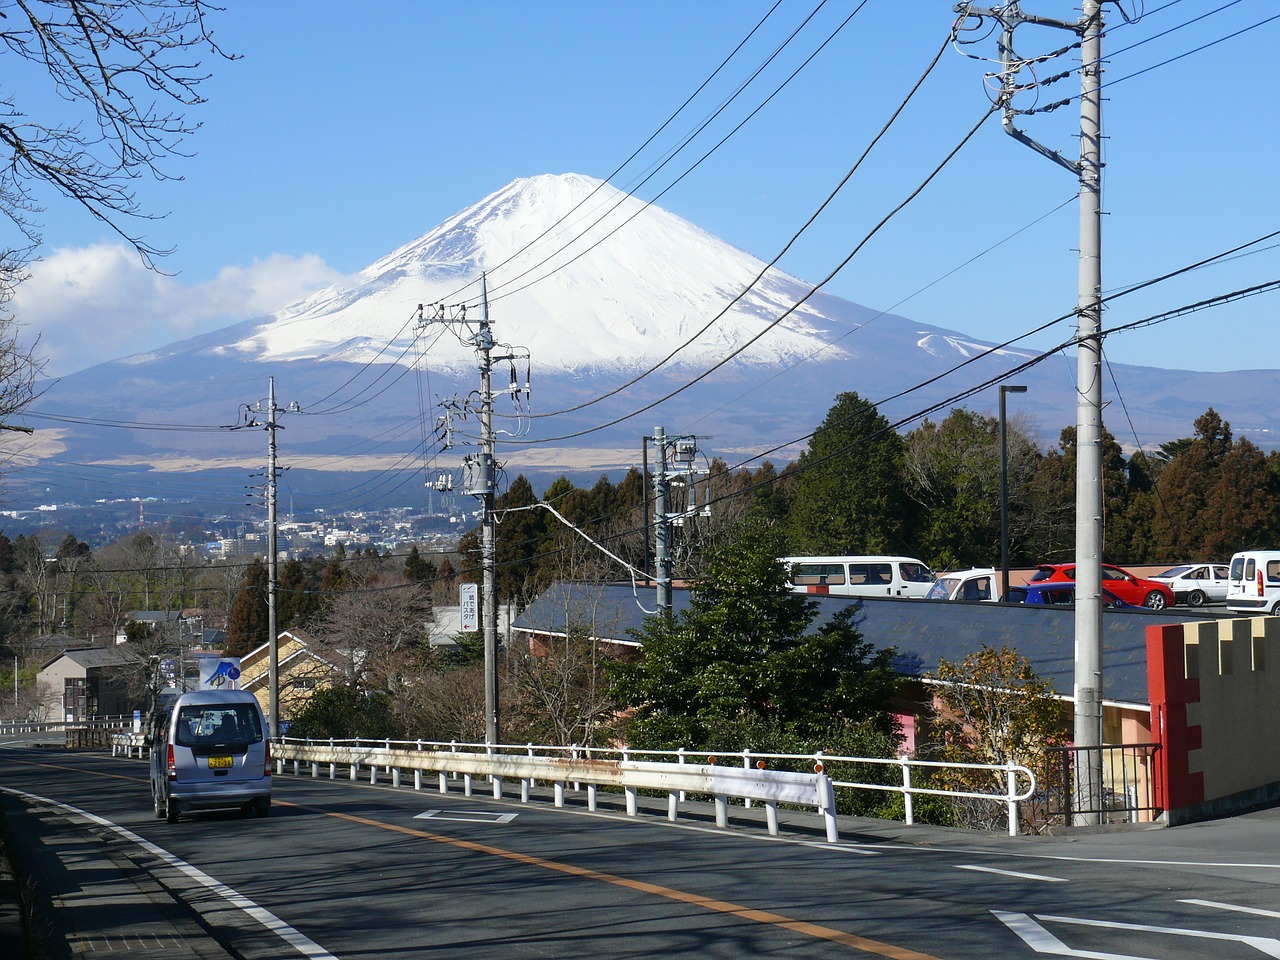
pixel 720 906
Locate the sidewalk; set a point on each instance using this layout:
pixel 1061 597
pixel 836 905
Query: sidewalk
pixel 83 894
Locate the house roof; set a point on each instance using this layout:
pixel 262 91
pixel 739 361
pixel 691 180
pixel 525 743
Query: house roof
pixel 91 657
pixel 155 616
pixel 922 631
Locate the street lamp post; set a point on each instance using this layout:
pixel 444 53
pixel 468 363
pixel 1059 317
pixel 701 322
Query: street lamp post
pixel 1005 388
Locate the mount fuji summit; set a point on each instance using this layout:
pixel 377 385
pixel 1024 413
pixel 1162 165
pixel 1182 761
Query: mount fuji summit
pixel 617 305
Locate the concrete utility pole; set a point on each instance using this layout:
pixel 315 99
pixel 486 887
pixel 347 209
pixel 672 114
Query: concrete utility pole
pixel 1088 557
pixel 661 525
pixel 273 649
pixel 682 451
pixel 480 479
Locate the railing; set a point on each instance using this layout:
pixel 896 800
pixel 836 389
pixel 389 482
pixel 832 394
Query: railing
pixel 762 777
pixel 1127 794
pixel 79 733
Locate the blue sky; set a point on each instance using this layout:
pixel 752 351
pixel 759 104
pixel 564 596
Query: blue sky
pixel 342 134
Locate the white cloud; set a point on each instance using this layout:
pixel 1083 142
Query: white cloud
pixel 93 304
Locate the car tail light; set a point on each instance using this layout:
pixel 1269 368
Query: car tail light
pixel 1261 592
pixel 171 766
pixel 267 771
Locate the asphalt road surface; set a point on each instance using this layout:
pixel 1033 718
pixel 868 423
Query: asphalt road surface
pixel 349 870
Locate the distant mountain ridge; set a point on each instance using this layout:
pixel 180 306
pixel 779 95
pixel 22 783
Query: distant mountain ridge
pixel 598 287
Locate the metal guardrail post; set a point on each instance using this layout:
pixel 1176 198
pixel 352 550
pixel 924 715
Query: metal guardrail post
pixel 630 792
pixel 907 797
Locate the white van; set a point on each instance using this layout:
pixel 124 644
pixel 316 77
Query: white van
pixel 208 750
pixel 859 576
pixel 1254 585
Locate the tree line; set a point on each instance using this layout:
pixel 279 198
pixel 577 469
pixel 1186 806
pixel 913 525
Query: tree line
pixel 860 487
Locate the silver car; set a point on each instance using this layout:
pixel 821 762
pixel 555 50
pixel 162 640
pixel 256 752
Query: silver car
pixel 1196 584
pixel 209 750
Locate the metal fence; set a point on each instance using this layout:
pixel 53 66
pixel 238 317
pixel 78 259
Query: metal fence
pixel 1127 794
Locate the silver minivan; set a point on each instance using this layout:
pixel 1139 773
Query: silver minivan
pixel 209 750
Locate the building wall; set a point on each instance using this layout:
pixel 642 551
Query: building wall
pixel 50 683
pixel 1214 688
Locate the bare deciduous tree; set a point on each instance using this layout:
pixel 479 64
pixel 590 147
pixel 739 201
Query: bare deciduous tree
pixel 128 70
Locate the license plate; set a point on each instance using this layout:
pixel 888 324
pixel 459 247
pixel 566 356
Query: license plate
pixel 216 763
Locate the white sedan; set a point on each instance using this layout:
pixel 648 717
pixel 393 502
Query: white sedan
pixel 1196 584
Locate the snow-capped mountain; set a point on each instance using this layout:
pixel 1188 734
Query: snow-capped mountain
pixel 581 274
pixel 599 288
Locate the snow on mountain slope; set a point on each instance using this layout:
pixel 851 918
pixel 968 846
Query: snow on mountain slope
pixel 578 272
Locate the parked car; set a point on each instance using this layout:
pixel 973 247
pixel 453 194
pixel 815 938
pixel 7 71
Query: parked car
pixel 1059 593
pixel 859 576
pixel 980 583
pixel 1135 591
pixel 1196 584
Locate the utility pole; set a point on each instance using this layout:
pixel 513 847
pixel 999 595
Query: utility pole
pixel 1088 555
pixel 480 475
pixel 271 424
pixel 661 525
pixel 682 452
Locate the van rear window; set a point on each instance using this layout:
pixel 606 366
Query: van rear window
pixel 223 723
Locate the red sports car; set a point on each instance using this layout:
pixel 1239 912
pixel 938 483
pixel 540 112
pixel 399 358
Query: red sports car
pixel 1130 589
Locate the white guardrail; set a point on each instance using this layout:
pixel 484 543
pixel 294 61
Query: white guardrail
pixel 756 780
pixel 628 771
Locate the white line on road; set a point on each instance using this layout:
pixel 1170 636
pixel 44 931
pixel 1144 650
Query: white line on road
pixel 468 816
pixel 1256 911
pixel 1042 941
pixel 1267 945
pixel 303 944
pixel 1012 873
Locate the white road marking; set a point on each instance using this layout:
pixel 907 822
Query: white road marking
pixel 303 944
pixel 1012 873
pixel 1044 942
pixel 468 816
pixel 1256 911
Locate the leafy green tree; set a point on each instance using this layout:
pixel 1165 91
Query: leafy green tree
pixel 342 713
pixel 848 496
pixel 953 471
pixel 741 652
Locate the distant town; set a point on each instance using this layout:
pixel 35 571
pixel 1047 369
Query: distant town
pixel 215 534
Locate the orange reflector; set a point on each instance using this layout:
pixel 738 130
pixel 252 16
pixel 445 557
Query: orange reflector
pixel 817 768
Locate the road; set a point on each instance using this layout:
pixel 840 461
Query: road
pixel 349 870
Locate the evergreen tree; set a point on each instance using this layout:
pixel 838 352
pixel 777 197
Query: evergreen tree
pixel 740 656
pixel 848 497
pixel 417 569
pixel 248 623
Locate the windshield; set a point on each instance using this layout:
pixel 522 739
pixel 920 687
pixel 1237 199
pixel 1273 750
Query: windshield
pixel 221 724
pixel 941 589
pixel 1172 572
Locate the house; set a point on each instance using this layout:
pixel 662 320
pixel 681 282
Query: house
pixel 89 682
pixel 300 669
pixel 187 628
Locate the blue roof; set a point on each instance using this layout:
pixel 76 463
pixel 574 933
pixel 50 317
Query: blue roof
pixel 922 631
